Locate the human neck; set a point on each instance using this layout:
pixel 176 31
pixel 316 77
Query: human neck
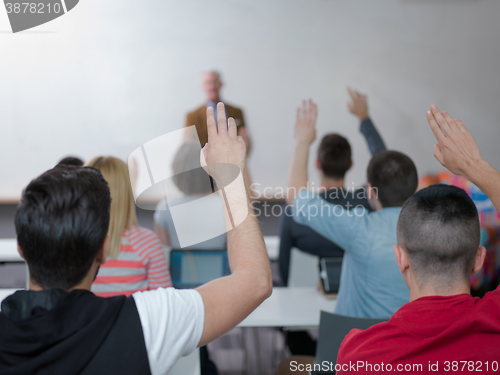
pixel 216 100
pixel 85 284
pixel 331 183
pixel 429 290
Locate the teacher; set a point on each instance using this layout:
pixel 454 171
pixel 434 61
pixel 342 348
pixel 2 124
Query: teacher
pixel 212 85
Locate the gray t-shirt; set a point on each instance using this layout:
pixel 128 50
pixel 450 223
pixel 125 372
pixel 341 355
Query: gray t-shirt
pixel 164 219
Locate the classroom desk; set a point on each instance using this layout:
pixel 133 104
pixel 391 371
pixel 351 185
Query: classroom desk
pixel 290 307
pixel 272 246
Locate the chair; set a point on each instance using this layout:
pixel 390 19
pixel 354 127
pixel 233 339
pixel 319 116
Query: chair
pixel 332 330
pixel 189 365
pixel 13 269
pixel 304 271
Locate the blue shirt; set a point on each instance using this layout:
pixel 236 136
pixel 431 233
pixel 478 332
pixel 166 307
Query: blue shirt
pixel 371 285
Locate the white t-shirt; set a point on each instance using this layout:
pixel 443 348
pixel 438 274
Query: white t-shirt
pixel 172 323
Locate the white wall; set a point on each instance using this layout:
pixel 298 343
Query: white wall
pixel 113 74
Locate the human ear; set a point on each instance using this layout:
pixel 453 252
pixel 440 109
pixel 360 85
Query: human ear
pixel 478 262
pixel 401 258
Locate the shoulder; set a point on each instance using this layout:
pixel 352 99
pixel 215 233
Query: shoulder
pixel 359 341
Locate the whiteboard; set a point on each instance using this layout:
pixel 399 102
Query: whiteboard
pixel 111 75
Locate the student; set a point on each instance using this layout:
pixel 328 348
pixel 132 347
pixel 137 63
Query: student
pixel 371 285
pixel 333 162
pixel 194 184
pixel 60 327
pixel 71 160
pixel 135 260
pixel 443 328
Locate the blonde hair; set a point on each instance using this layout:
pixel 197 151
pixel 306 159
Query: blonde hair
pixel 122 214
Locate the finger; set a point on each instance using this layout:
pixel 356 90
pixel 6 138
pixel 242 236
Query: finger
pixel 298 115
pixel 231 124
pixel 438 154
pixel 461 126
pixel 443 124
pixel 315 112
pixel 450 121
pixel 221 118
pixel 203 155
pixel 438 133
pixel 211 125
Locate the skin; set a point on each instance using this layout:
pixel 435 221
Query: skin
pixel 230 299
pixel 305 135
pixel 212 86
pixel 457 151
pixel 432 287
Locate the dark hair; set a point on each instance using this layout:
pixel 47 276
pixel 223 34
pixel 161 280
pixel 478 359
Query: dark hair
pixel 61 223
pixel 71 160
pixel 439 229
pixel 334 156
pixel 189 176
pixel 394 176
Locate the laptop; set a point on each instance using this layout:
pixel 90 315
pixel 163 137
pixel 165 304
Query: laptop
pixel 191 268
pixel 329 272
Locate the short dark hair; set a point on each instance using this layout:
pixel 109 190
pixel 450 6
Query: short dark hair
pixel 394 176
pixel 71 160
pixel 334 156
pixel 61 223
pixel 439 229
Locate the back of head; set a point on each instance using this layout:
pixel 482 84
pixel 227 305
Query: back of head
pixel 123 213
pixel 394 176
pixel 189 177
pixel 71 160
pixel 439 229
pixel 61 223
pixel 334 156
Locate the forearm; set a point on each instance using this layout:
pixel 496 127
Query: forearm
pixel 298 171
pixel 486 178
pixel 372 136
pixel 246 249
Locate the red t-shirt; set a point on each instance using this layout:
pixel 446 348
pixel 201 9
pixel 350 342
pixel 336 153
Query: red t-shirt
pixel 431 335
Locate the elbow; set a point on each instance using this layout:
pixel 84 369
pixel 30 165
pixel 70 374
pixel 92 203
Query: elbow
pixel 265 288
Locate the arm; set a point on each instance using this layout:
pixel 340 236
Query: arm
pixel 358 107
pixel 459 153
pixel 230 299
pixel 305 134
pixel 333 222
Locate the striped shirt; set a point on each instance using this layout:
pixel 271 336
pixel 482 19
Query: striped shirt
pixel 140 265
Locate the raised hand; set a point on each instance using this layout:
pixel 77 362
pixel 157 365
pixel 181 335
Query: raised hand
pixel 456 149
pixel 305 123
pixel 223 147
pixel 357 106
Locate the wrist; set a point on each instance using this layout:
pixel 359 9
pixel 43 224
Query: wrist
pixel 363 117
pixel 301 144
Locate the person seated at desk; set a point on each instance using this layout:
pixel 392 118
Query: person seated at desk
pixel 60 327
pixel 135 259
pixel 333 162
pixel 443 328
pixel 370 284
pixel 193 183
